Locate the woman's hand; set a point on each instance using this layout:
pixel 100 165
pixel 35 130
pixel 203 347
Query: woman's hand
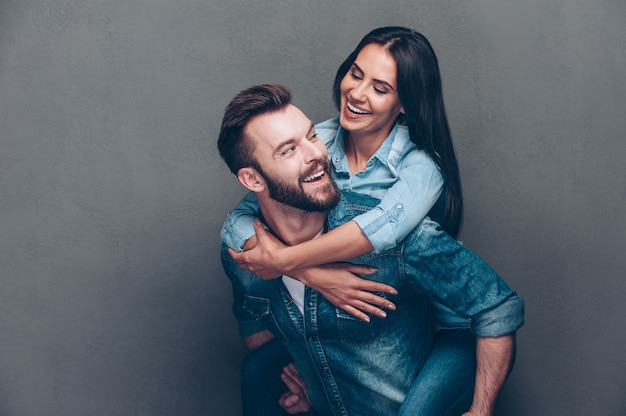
pixel 263 260
pixel 296 400
pixel 339 283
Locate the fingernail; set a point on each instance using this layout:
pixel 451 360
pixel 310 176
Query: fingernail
pixel 391 306
pixel 372 269
pixel 393 291
pixel 382 314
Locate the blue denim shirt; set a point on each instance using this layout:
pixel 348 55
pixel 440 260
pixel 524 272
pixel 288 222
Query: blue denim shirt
pixel 401 176
pixel 362 369
pixel 405 179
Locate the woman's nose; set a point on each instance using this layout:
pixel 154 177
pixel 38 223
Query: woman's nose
pixel 358 92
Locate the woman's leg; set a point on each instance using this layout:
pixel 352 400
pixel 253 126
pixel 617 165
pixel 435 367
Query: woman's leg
pixel 261 385
pixel 445 384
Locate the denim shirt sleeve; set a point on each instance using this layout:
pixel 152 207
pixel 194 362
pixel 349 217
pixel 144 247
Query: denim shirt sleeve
pixel 239 224
pixel 453 275
pixel 242 284
pixel 406 203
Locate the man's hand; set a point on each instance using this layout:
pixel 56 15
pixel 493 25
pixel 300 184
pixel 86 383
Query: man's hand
pixel 296 400
pixel 339 283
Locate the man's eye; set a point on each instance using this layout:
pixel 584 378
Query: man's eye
pixel 289 150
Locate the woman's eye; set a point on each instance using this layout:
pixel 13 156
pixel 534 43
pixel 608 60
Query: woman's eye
pixel 380 91
pixel 355 75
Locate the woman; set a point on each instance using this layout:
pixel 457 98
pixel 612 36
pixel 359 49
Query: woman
pixel 391 141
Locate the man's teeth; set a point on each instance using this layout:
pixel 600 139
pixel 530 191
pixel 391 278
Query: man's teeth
pixel 314 176
pixel 356 110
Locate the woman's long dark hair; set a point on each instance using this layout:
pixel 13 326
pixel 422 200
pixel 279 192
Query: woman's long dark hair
pixel 421 96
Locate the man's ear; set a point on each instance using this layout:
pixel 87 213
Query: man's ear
pixel 251 179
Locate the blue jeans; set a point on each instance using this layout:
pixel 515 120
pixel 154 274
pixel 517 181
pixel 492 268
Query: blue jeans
pixel 261 385
pixel 445 384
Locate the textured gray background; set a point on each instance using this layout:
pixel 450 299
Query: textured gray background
pixel 112 298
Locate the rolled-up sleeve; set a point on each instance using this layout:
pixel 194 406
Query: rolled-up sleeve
pixel 503 319
pixel 456 277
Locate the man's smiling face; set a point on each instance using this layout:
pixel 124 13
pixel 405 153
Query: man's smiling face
pixel 292 160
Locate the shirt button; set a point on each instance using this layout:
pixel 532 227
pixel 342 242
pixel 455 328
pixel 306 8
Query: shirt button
pixel 399 206
pixel 310 303
pixel 311 338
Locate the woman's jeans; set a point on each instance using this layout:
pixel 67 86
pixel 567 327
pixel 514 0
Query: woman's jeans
pixel 444 386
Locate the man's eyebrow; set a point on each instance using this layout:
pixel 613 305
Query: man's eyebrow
pixel 292 140
pixel 380 81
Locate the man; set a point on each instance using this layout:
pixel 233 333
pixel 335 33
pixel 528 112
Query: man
pixel 352 367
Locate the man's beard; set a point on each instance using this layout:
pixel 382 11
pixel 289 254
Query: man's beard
pixel 295 196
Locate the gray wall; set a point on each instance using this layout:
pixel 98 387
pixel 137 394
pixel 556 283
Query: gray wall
pixel 112 299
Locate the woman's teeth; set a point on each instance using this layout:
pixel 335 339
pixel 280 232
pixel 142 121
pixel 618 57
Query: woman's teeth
pixel 356 110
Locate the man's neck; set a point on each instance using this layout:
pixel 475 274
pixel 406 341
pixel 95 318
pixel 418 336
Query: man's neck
pixel 292 225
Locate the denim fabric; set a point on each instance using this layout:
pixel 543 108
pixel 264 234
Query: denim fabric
pixel 261 385
pixel 357 368
pixel 401 176
pixel 445 384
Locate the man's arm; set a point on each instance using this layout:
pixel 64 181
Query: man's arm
pixel 494 356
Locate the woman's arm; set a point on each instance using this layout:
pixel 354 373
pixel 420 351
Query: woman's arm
pixel 337 282
pixel 405 204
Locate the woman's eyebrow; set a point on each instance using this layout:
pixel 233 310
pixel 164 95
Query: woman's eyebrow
pixel 380 81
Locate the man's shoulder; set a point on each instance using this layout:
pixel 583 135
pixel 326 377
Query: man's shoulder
pixel 350 205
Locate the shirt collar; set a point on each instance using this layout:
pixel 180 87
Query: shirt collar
pixel 337 154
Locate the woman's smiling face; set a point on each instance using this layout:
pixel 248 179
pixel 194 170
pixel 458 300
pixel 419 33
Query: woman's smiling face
pixel 370 103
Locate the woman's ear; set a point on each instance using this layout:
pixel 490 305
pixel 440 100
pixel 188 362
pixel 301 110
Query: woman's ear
pixel 251 179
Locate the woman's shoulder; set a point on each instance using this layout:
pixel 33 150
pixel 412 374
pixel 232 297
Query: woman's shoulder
pixel 404 152
pixel 327 130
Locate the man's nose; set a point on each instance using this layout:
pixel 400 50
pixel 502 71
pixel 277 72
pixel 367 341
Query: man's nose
pixel 314 151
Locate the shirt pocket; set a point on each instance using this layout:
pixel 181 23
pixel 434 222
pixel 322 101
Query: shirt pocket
pixel 259 309
pixel 357 332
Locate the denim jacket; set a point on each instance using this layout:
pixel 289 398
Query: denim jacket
pixel 362 369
